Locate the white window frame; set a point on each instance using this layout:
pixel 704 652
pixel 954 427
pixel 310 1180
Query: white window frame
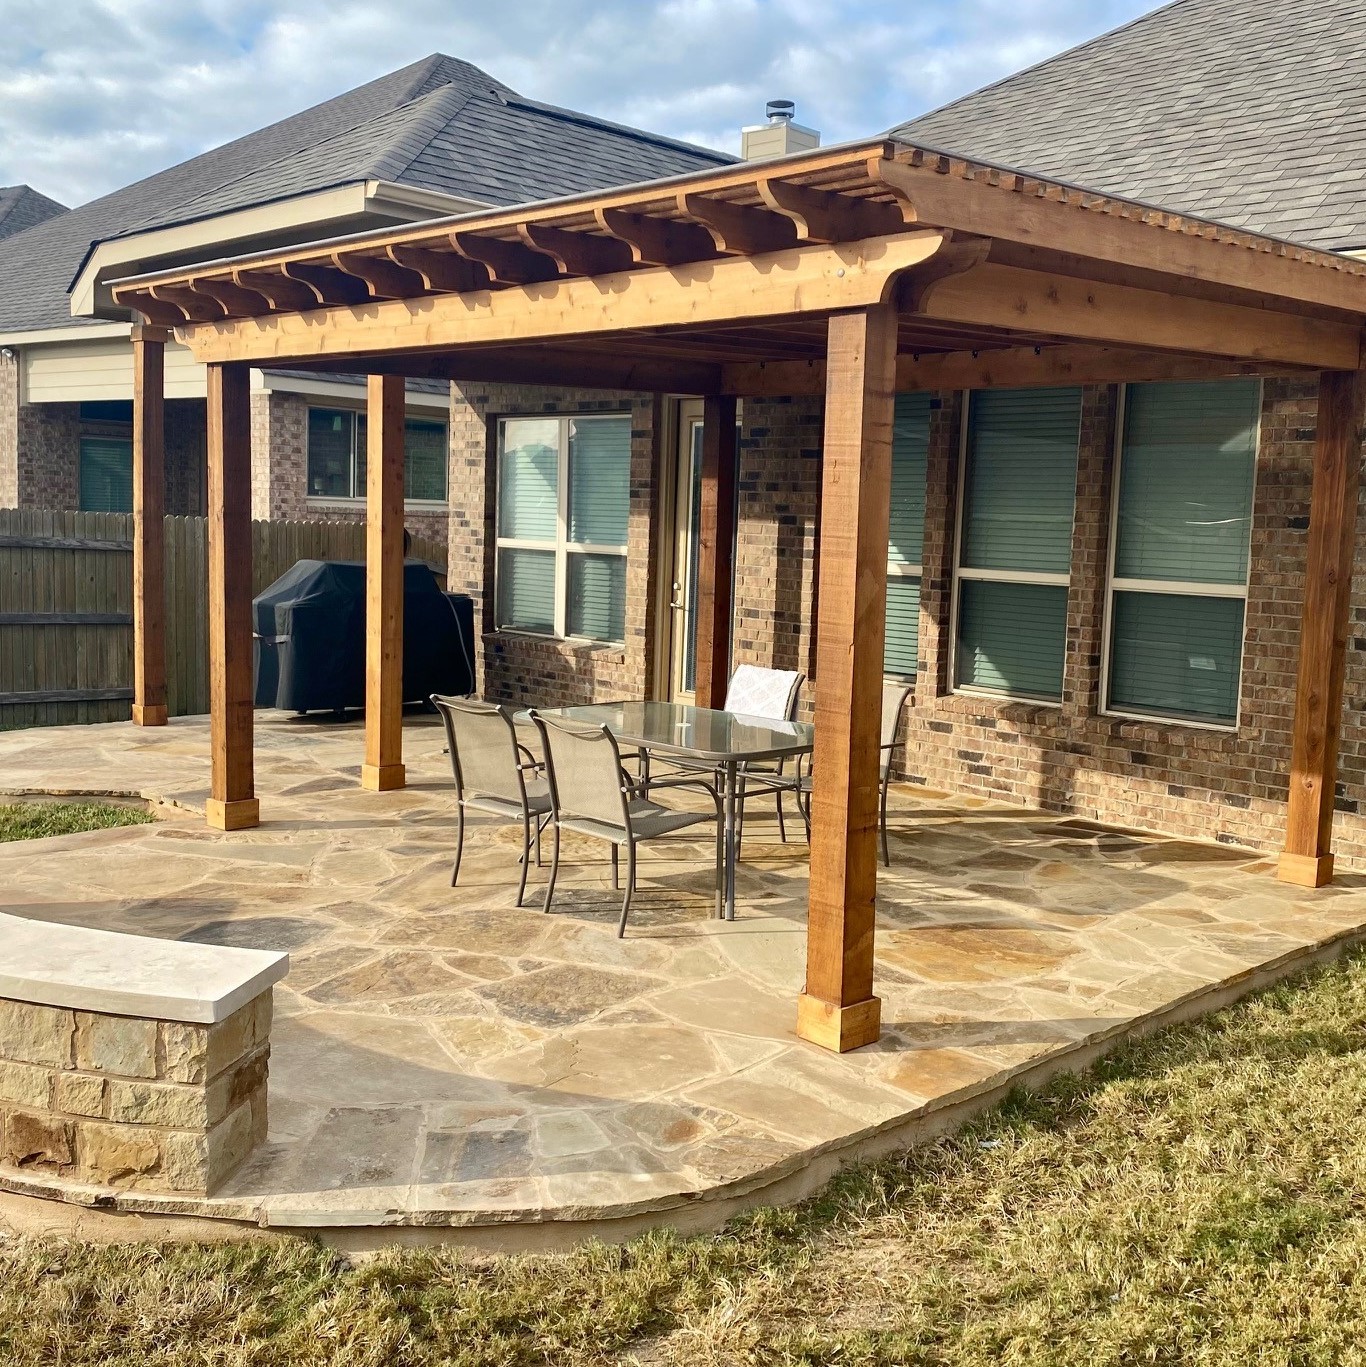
pixel 961 573
pixel 562 545
pixel 418 505
pixel 1118 584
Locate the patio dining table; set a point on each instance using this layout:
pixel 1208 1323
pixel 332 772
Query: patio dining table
pixel 705 738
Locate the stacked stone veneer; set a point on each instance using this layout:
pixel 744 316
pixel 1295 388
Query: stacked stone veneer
pixel 126 1101
pixel 514 666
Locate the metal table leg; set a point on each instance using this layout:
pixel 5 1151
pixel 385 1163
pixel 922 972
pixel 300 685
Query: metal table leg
pixel 730 807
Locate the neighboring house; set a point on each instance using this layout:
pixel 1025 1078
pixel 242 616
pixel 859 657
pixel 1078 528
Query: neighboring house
pixel 433 139
pixel 22 207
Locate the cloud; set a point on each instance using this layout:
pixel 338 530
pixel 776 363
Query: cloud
pixel 98 93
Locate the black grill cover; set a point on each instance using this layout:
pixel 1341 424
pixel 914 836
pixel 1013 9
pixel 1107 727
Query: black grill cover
pixel 310 637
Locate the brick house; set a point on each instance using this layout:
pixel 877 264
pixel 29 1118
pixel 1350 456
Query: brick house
pixel 1139 667
pixel 1096 587
pixel 432 139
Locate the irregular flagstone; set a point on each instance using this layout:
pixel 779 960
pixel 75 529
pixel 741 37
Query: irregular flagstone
pixel 441 1056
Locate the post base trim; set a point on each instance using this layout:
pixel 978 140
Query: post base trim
pixel 239 815
pixel 149 714
pixel 839 1028
pixel 382 778
pixel 1305 870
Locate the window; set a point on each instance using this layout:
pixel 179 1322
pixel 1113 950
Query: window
pixel 1179 550
pixel 1018 495
pixel 905 543
pixel 106 475
pixel 106 457
pixel 336 456
pixel 564 487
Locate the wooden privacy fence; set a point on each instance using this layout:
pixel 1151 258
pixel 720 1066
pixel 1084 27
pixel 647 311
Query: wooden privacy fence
pixel 66 607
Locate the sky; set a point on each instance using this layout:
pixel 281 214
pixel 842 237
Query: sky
pixel 95 94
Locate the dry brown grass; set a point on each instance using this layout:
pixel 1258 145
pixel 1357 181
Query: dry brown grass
pixel 1198 1198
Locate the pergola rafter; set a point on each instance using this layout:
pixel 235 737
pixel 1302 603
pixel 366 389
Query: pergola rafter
pixel 851 272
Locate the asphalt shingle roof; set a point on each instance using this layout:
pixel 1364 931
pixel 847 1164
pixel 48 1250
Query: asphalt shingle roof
pixel 440 124
pixel 1250 112
pixel 22 207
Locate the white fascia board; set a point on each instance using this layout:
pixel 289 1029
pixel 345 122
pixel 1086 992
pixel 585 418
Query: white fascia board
pixel 47 336
pixel 293 218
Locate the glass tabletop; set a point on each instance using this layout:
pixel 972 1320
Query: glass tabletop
pixel 698 732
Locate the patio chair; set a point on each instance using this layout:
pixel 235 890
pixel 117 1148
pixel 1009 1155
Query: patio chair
pixel 755 691
pixel 895 695
pixel 494 773
pixel 592 793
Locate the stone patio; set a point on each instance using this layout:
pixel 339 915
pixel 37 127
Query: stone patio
pixel 444 1060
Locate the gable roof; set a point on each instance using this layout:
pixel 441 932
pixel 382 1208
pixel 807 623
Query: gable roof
pixel 21 206
pixel 1249 112
pixel 440 124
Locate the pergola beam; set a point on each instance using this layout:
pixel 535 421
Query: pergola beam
pixel 1000 368
pixel 383 768
pixel 805 281
pixel 232 804
pixel 1308 855
pixel 149 525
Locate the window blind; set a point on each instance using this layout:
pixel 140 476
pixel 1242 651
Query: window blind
pixel 910 458
pixel 526 589
pixel 1176 655
pixel 901 646
pixel 596 605
pixel 106 475
pixel 529 480
pixel 599 480
pixel 424 460
pixel 1186 477
pixel 1020 486
pixel 1011 637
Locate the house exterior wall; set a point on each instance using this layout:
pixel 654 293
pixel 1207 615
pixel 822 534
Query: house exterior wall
pixel 1229 786
pixel 516 666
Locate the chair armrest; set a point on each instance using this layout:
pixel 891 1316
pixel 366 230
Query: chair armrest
pixel 708 788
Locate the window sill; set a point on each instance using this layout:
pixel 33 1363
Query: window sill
pixel 322 501
pixel 576 645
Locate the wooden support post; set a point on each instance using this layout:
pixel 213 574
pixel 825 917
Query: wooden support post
pixel 838 1009
pixel 716 549
pixel 383 767
pixel 1308 858
pixel 149 529
pixel 232 804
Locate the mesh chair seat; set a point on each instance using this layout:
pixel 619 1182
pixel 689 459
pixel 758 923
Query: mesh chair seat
pixel 537 801
pixel 648 820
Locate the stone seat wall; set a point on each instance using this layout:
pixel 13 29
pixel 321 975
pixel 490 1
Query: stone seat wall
pixel 166 1093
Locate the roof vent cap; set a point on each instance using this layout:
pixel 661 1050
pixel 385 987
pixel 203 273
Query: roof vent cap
pixel 780 111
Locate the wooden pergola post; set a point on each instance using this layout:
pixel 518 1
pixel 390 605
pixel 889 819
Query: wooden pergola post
pixel 149 532
pixel 383 767
pixel 837 1008
pixel 716 549
pixel 1308 856
pixel 232 804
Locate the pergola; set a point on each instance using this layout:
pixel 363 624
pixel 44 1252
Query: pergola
pixel 854 272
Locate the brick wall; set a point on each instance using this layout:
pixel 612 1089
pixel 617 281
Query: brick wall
pixel 511 665
pixel 9 431
pixel 1229 786
pixel 187 493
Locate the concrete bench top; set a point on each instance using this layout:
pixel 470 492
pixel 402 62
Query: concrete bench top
pixel 130 975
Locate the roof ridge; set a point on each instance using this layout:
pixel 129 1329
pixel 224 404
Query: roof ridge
pixel 446 102
pixel 593 120
pixel 1042 62
pixel 186 208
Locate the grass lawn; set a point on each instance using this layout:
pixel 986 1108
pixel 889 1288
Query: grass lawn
pixel 1199 1198
pixel 33 820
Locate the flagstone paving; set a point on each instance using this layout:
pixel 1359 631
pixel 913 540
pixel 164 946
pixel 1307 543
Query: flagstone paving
pixel 442 1057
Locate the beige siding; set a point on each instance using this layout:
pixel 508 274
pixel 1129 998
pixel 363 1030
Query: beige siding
pixel 72 372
